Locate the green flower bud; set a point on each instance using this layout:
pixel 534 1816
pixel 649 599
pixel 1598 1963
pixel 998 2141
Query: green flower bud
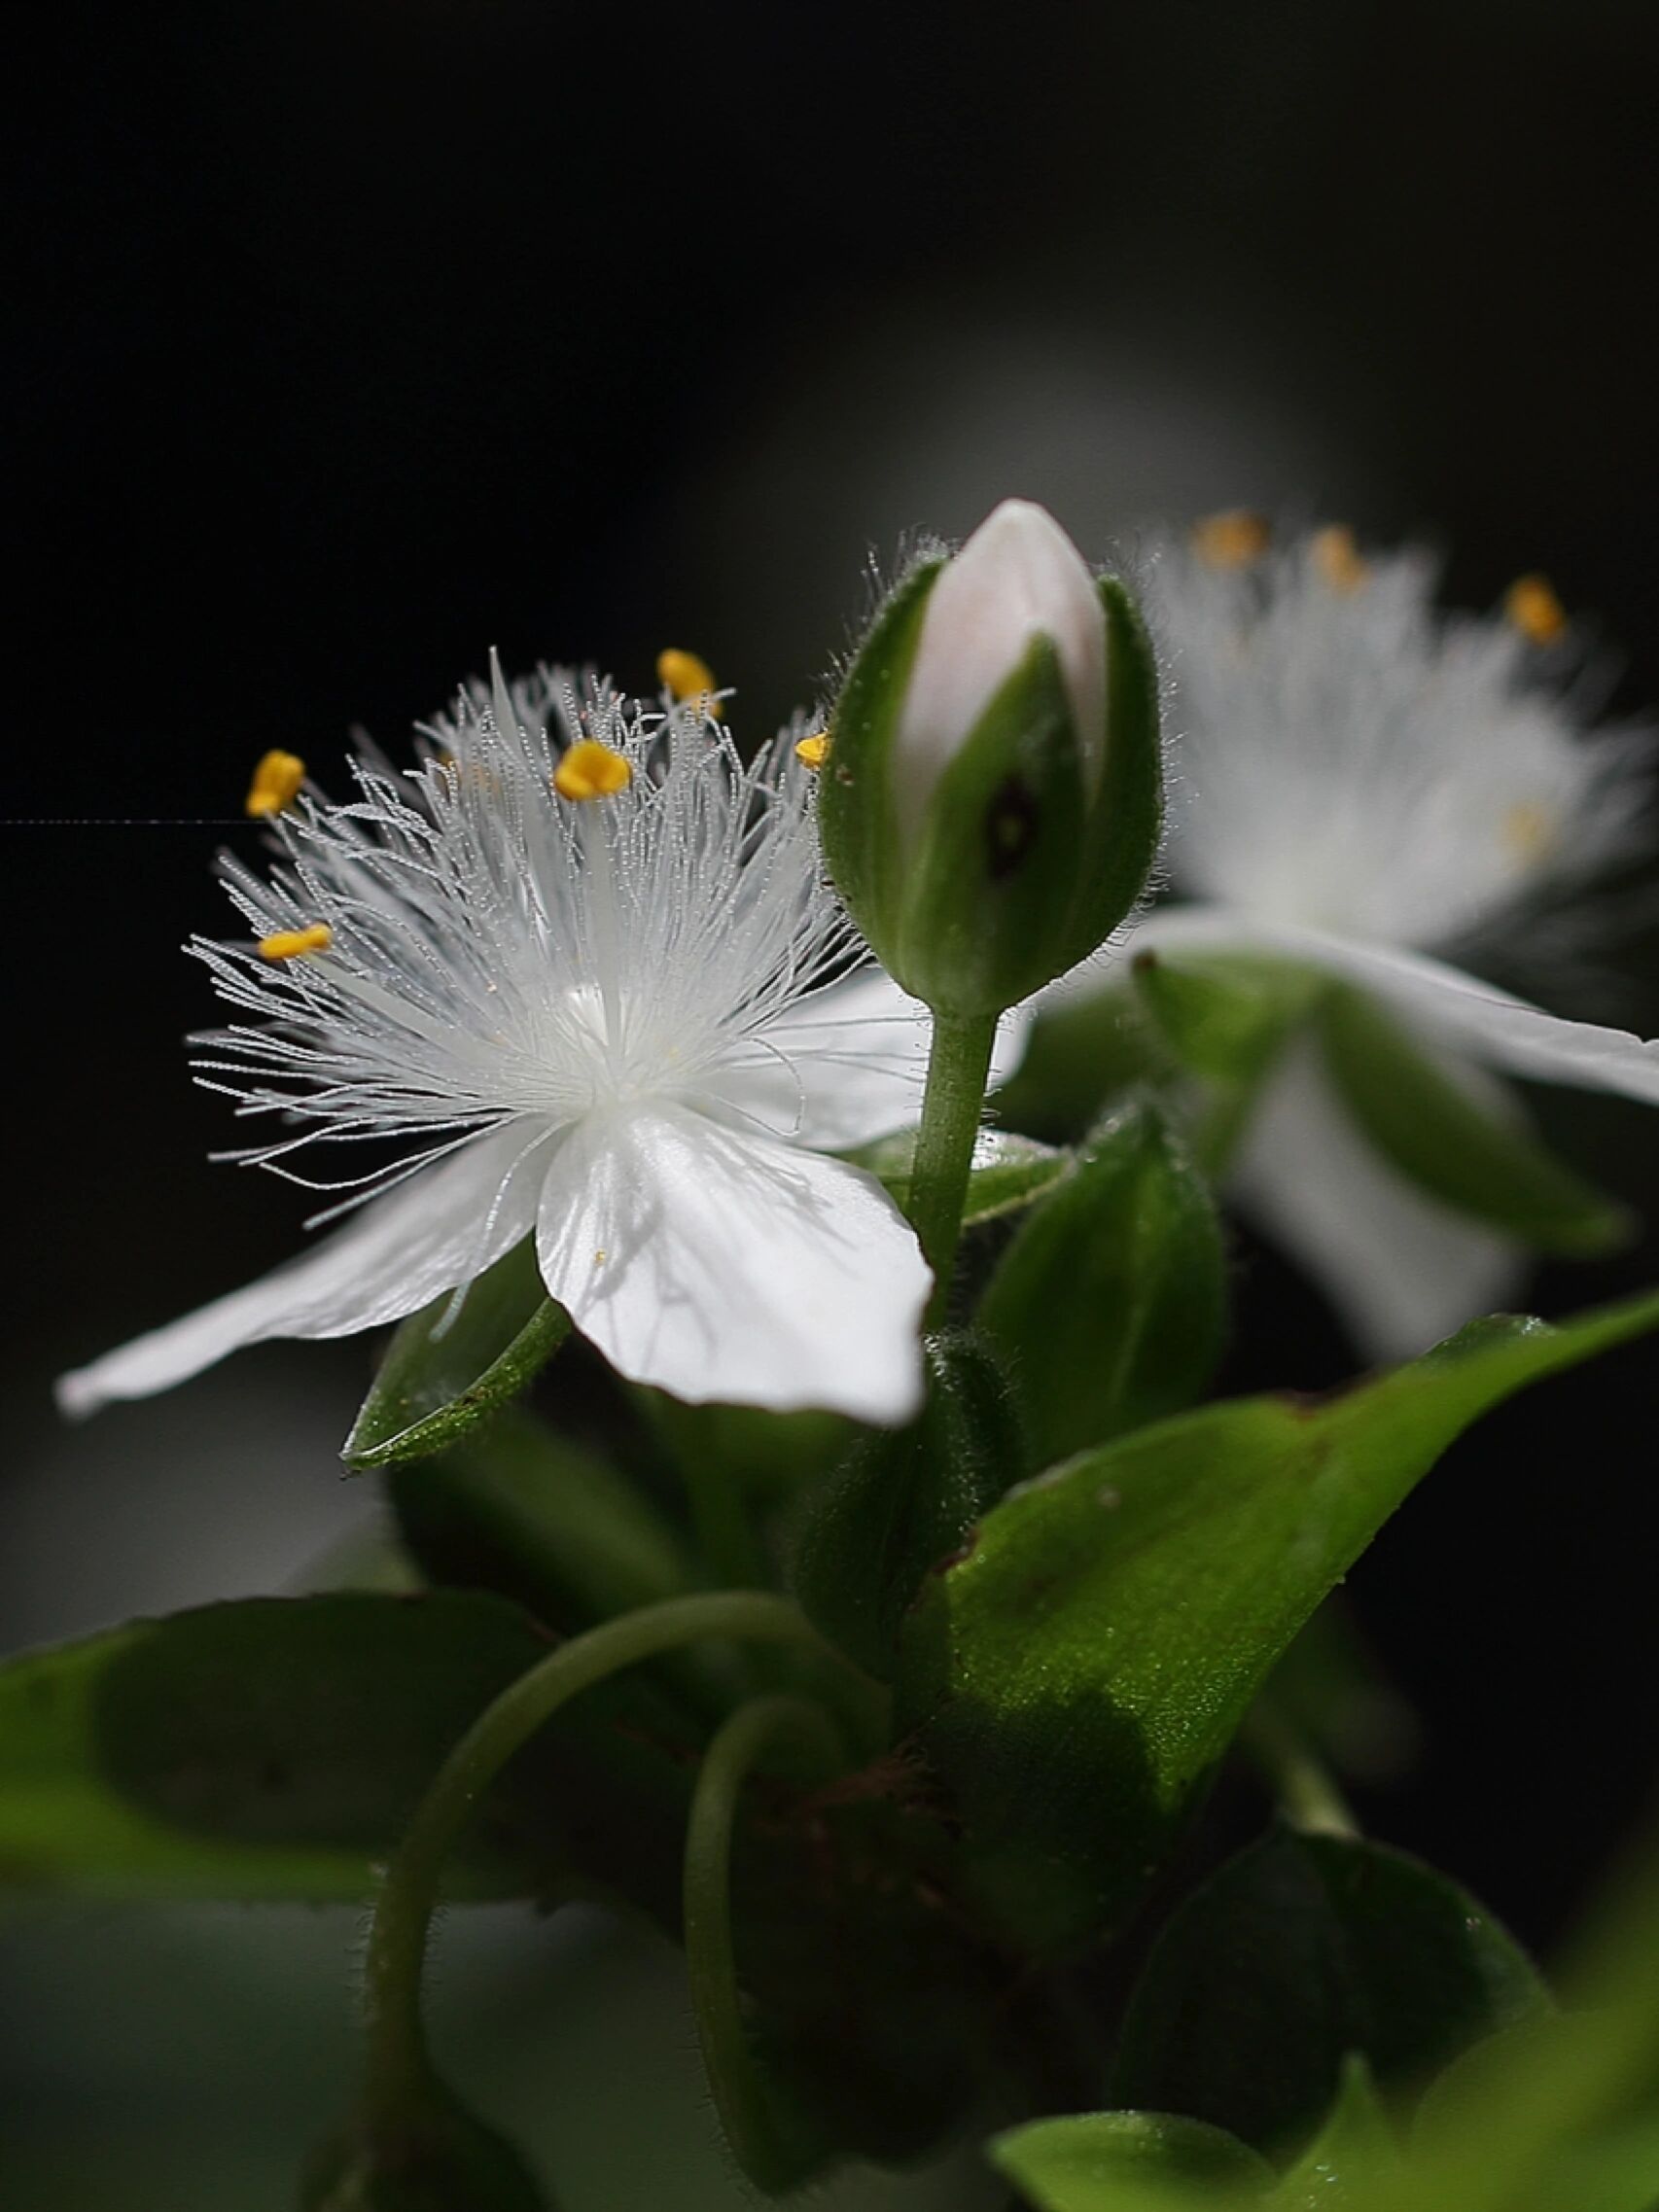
pixel 990 798
pixel 437 2159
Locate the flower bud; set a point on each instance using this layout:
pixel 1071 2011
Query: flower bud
pixel 990 802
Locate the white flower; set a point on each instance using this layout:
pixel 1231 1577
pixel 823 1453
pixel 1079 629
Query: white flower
pixel 1366 783
pixel 584 965
pixel 1019 578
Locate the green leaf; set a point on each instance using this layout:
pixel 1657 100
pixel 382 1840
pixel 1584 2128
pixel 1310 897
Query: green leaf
pixel 1073 1678
pixel 516 1509
pixel 1353 2148
pixel 435 1383
pixel 903 1501
pixel 1300 1951
pixel 1576 2095
pixel 1481 1162
pixel 277 1748
pixel 1127 2162
pixel 1007 1170
pixel 1108 1305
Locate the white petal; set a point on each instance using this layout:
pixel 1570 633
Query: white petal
pixel 1401 1270
pixel 1489 1024
pixel 430 1234
pixel 724 1265
pixel 1019 577
pixel 848 1064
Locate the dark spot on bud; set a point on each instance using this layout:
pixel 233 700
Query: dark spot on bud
pixel 1010 825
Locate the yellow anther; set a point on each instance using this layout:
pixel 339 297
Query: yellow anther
pixel 1337 557
pixel 590 770
pixel 812 751
pixel 276 783
pixel 1531 604
pixel 1527 829
pixel 1230 541
pixel 688 676
pixel 289 944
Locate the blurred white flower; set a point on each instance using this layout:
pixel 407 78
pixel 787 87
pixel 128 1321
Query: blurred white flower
pixel 584 964
pixel 1363 783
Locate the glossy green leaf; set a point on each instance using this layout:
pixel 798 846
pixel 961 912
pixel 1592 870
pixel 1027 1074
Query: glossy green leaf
pixel 903 1501
pixel 1452 1143
pixel 1300 1951
pixel 1128 2161
pixel 1109 1303
pixel 1073 1679
pixel 517 1508
pixel 438 1380
pixel 1007 1170
pixel 277 1748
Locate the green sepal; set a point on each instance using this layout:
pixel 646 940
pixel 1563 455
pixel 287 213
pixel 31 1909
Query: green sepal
pixel 903 1501
pixel 1069 1682
pixel 1225 1016
pixel 1007 1171
pixel 856 817
pixel 1082 1054
pixel 434 2157
pixel 1110 1304
pixel 1128 2161
pixel 435 1383
pixel 517 1508
pixel 1482 1163
pixel 1300 1952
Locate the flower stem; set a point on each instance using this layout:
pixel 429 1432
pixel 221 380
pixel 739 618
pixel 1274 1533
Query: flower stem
pixel 758 2133
pixel 1308 1799
pixel 398 2067
pixel 958 1064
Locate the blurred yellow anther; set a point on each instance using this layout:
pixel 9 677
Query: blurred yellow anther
pixel 276 782
pixel 812 751
pixel 289 944
pixel 1338 558
pixel 1527 829
pixel 1531 604
pixel 688 676
pixel 590 770
pixel 1230 541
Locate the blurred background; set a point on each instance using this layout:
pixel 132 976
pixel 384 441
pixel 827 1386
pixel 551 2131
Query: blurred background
pixel 356 338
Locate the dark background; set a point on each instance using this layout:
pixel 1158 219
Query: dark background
pixel 356 338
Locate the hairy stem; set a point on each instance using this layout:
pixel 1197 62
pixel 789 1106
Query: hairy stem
pixel 958 1064
pixel 397 2060
pixel 759 2136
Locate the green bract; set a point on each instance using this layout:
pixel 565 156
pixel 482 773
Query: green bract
pixel 1025 854
pixel 1108 1305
